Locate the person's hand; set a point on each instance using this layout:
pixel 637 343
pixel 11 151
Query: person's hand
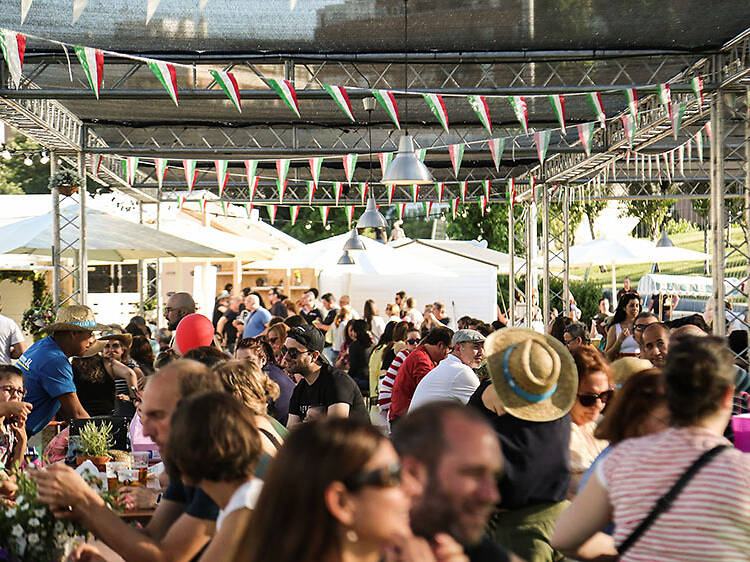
pixel 408 548
pixel 64 490
pixel 623 334
pixel 446 549
pixel 138 497
pixel 86 553
pixel 17 410
pixel 8 489
pixel 19 431
pixel 123 397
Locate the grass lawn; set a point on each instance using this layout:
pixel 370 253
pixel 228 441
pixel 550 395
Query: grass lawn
pixel 736 264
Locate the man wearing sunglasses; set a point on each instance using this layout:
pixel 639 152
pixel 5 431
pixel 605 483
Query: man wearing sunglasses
pixel 323 390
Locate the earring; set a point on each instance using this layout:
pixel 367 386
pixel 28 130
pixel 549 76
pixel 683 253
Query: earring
pixel 351 535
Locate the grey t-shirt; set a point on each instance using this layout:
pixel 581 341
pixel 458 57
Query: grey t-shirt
pixel 10 335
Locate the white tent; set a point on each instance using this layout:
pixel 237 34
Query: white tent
pixel 470 249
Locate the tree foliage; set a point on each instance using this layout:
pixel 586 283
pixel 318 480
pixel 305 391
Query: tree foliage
pixel 309 225
pixel 650 212
pixel 16 177
pixel 469 224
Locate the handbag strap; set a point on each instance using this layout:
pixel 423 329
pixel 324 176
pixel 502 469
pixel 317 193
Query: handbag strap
pixel 665 502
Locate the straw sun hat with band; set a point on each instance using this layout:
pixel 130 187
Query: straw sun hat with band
pixel 74 318
pixel 533 374
pixel 109 333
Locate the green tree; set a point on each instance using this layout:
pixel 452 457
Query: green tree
pixel 650 212
pixel 469 224
pixel 16 177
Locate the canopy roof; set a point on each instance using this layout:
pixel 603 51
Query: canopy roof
pixel 627 250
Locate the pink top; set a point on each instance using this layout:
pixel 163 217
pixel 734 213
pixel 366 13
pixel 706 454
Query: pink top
pixel 709 520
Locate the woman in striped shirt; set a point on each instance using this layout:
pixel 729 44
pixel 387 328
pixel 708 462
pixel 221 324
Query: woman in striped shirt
pixel 710 518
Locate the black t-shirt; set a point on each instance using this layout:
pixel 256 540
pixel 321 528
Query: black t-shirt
pixel 330 316
pixel 331 387
pixel 279 309
pixel 230 332
pixel 388 356
pixel 536 456
pixel 486 550
pixel 197 503
pixel 313 315
pixel 359 366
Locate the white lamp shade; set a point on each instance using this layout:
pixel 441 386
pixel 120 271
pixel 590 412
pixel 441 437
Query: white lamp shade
pixel 372 218
pixel 406 168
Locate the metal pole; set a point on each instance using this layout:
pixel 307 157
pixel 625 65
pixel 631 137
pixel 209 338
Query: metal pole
pixel 56 273
pixel 511 268
pixel 142 275
pixel 83 260
pixel 747 197
pixel 717 213
pixel 159 298
pixel 566 247
pixel 529 285
pixel 545 240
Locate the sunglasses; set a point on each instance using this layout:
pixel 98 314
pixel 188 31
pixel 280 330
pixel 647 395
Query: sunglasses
pixel 385 477
pixel 413 341
pixel 292 352
pixel 273 340
pixel 13 391
pixel 588 400
pixel 640 326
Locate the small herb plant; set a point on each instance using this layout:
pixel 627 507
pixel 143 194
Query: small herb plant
pixel 95 440
pixel 65 178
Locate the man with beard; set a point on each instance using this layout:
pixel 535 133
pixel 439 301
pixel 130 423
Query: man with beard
pixel 178 306
pixel 455 456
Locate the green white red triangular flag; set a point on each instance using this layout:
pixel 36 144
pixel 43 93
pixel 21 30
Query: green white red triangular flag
pixel 181 202
pixel 78 7
pixel 486 186
pixel 388 101
pixel 349 215
pixel 25 6
pixel 414 192
pixel 191 174
pixel 272 212
pixel 161 169
pixel 586 134
pixel 310 190
pixel 222 174
pixel 324 210
pixel 401 209
pixel 228 84
pixel 282 189
pixel 92 62
pixel 225 207
pixel 364 187
pixel 252 186
pixel 463 188
pixel 248 209
pixel 541 139
pixel 454 207
pixel 666 99
pixel 339 95
pixel 511 194
pixel 427 206
pixel 482 200
pixel 518 103
pixel 595 99
pixel 681 159
pixel 627 126
pixel 479 105
pixel 497 146
pixel 129 167
pixel 385 159
pixel 421 153
pixel 166 74
pixel 350 162
pixel 282 168
pixel 96 164
pixel 457 155
pixel 632 96
pixel 286 92
pixel 699 145
pixel 315 165
pixel 697 85
pixel 151 6
pixel 14 46
pixel 558 105
pixel 251 166
pixel 677 117
pixel 437 105
pixel 338 188
pixel 391 192
pixel 440 190
pixel 294 213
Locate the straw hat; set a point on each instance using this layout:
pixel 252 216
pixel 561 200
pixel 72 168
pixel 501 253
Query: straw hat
pixel 111 332
pixel 533 374
pixel 74 318
pixel 624 368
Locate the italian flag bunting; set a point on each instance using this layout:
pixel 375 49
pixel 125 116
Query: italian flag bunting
pixel 454 207
pixel 586 134
pixel 293 213
pixel 677 119
pixel 627 126
pixel 282 168
pixel 421 153
pixel 532 187
pixel 151 6
pixel 437 105
pixel 222 174
pixel 697 84
pixel 388 101
pixel 339 95
pixel 14 47
pixel 482 203
pixel 286 92
pixel 282 189
pixel 338 188
pixel 401 209
pixel 310 190
pixel 595 99
pixel 364 187
pixel 558 105
pixel 166 74
pixel 427 208
pixel 228 83
pixel 699 145
pixel 248 209
pixel 666 99
pixel 224 207
pixel 272 212
pixel 391 192
pixel 95 161
pixel 204 205
pixel 315 165
pixel 252 187
pixel 181 203
pixel 479 105
pixel 541 139
pixel 708 129
pixel 486 186
pixel 511 191
pixel 414 192
pixel 251 166
pixel 25 6
pixel 350 162
pixel 440 189
pixel 496 149
pixel 324 210
pixel 518 103
pixel 464 187
pixel 632 96
pixel 457 155
pixel 129 167
pixel 92 62
pixel 385 159
pixel 191 174
pixel 349 215
pixel 161 169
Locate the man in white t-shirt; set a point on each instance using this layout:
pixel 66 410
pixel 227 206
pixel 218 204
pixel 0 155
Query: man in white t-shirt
pixel 454 377
pixel 12 343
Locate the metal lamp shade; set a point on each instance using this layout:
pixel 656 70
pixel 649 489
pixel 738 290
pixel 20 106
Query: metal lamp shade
pixel 345 259
pixel 371 218
pixel 354 242
pixel 406 168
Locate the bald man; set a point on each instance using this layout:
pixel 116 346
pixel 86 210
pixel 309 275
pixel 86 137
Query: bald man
pixel 178 306
pixel 655 344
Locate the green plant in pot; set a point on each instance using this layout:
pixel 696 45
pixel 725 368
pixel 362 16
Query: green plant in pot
pixel 95 440
pixel 66 181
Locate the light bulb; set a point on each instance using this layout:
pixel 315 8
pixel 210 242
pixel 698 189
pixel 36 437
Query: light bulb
pixel 328 227
pixel 6 154
pixel 44 159
pixel 308 226
pixel 28 161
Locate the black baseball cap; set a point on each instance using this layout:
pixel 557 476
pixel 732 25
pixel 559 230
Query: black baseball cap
pixel 308 336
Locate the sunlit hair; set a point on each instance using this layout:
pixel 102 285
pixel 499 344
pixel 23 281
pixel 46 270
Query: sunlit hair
pixel 248 382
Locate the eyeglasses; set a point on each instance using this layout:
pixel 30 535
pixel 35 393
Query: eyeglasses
pixel 272 340
pixel 385 477
pixel 13 391
pixel 413 341
pixel 292 352
pixel 640 326
pixel 588 400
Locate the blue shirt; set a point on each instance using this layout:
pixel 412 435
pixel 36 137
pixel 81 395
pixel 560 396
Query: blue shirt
pixel 255 323
pixel 46 375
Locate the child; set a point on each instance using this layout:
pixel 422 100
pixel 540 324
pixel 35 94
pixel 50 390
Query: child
pixel 13 413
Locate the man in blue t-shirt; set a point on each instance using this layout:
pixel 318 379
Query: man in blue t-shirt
pixel 256 317
pixel 47 374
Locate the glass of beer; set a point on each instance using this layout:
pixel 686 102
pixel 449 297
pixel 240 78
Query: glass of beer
pixel 128 477
pixel 112 469
pixel 140 463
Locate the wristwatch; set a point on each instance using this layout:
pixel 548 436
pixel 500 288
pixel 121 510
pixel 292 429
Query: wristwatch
pixel 158 498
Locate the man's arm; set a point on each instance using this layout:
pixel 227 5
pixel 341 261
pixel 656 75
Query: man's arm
pixel 220 325
pixel 338 410
pixel 292 420
pixel 70 407
pixel 17 350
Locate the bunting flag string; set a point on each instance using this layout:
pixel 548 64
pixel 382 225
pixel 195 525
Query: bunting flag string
pixel 632 96
pixel 161 169
pixel 558 105
pixel 349 215
pixel 151 6
pixel 482 204
pixel 191 174
pixel 339 95
pixel 364 187
pixel 677 119
pixel 96 164
pixel 586 134
pixel 437 105
pixel 25 6
pixel 282 168
pixel 486 187
pixel 252 187
pixel 497 146
pixel 350 162
pixel 228 84
pixel 324 210
pixel 310 190
pixel 454 207
pixel 282 189
pixel 697 85
pixel 248 209
pixel 401 208
pixel 338 189
pixel 272 212
pixel 464 188
pixel 414 192
pixel 511 191
pixel 440 189
pixel 204 206
pixel 479 105
pixel 181 203
pixel 167 75
pixel 286 92
pixel 222 175
pixel 294 213
pixel 315 165
pixel 518 103
pixel 391 192
pixel 385 159
pixel 92 61
pixel 224 207
pixel 14 46
pixel 388 101
pixel 427 208
pixel 595 99
pixel 129 168
pixel 666 99
pixel 627 125
pixel 541 139
pixel 421 154
pixel 457 154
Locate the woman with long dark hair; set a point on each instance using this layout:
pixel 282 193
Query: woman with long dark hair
pixel 359 354
pixel 620 340
pixel 375 322
pixel 376 357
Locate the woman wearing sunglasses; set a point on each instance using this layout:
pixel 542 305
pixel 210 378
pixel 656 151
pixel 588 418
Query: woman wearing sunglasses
pixel 595 389
pixel 352 506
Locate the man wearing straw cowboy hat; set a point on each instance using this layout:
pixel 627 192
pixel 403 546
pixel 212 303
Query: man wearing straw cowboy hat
pixel 533 385
pixel 48 376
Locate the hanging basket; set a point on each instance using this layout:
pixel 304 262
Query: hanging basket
pixel 66 181
pixel 67 190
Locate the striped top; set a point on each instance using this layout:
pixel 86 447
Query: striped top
pixel 709 520
pixel 386 383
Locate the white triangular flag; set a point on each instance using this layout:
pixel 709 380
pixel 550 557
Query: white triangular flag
pixel 78 7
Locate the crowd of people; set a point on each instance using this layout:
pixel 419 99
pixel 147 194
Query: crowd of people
pixel 310 431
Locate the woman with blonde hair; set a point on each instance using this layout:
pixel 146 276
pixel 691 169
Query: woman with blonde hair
pixel 276 336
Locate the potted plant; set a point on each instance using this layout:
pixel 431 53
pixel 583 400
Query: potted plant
pixel 94 444
pixel 66 181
